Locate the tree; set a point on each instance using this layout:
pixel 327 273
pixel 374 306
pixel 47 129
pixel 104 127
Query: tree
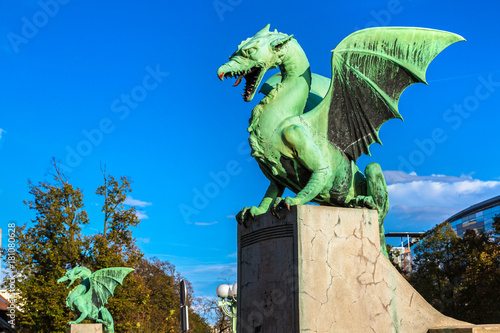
pixel 459 276
pixel 163 284
pixel 45 250
pixel 496 226
pixel 54 243
pixel 478 300
pixel 116 247
pixel 432 276
pixel 210 309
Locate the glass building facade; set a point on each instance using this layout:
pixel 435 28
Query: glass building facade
pixel 478 217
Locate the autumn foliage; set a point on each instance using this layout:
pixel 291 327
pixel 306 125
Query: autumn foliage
pixel 54 242
pixel 460 276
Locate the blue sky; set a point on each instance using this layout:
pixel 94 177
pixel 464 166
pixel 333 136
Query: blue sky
pixel 133 85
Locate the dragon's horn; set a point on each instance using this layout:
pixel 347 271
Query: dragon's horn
pixel 278 43
pixel 264 31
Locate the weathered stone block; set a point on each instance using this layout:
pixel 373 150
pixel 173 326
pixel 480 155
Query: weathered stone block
pixel 85 328
pixel 319 269
pixel 467 329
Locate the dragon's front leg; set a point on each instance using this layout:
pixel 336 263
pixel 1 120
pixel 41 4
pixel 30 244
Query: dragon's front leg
pixel 80 319
pixel 274 190
pixel 311 157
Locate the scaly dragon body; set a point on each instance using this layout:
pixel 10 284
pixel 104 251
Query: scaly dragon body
pixel 280 132
pixel 314 153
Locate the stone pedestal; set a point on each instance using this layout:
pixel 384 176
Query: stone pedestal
pixel 319 269
pixel 85 328
pixel 468 329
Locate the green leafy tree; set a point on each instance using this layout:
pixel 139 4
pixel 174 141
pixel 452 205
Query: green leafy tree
pixel 45 250
pixel 478 299
pixel 116 247
pixel 459 276
pixel 496 226
pixel 163 284
pixel 432 276
pixel 54 243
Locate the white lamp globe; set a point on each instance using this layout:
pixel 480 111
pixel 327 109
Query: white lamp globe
pixel 223 290
pixel 234 289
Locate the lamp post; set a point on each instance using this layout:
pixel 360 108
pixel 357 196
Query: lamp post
pixel 228 301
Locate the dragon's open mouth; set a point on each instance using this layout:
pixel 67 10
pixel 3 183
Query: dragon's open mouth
pixel 252 79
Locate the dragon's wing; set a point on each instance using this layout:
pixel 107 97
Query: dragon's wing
pixel 104 281
pixel 370 70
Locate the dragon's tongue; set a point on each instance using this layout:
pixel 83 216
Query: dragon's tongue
pixel 238 81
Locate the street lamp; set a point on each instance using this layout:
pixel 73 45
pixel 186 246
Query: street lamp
pixel 228 301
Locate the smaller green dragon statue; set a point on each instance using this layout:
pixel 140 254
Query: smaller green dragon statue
pixel 87 299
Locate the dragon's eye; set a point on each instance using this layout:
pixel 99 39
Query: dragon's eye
pixel 249 51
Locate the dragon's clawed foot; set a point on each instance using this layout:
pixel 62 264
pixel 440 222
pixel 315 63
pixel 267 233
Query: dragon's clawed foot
pixel 282 205
pixel 247 214
pixel 363 202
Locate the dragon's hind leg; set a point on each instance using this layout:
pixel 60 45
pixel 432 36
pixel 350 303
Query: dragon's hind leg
pixel 106 320
pixel 376 188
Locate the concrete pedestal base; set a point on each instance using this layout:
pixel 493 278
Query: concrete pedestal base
pixel 85 328
pixel 319 269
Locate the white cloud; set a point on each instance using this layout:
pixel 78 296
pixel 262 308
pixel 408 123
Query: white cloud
pixel 206 223
pixel 233 255
pixel 422 193
pixel 134 202
pixel 224 270
pixel 2 131
pixel 143 240
pixel 392 177
pixel 93 229
pixel 231 216
pixel 207 276
pixel 431 199
pixel 157 255
pixel 141 215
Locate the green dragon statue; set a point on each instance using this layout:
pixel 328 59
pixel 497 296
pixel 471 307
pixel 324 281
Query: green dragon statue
pixel 308 132
pixel 87 299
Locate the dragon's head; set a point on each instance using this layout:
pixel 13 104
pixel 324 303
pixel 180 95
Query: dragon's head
pixel 253 58
pixel 74 274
